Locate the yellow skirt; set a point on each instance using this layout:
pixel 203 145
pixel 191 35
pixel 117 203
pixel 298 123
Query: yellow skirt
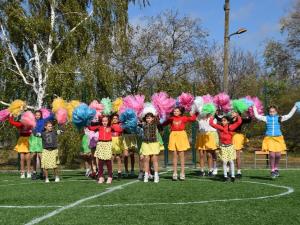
pixel 273 144
pixel 227 153
pixel 117 145
pixel 238 141
pixel 179 141
pixel 50 159
pixel 104 150
pixel 129 141
pixel 152 148
pixel 22 145
pixel 207 141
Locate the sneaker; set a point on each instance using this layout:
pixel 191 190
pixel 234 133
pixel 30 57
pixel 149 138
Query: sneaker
pixel 47 180
pixel 174 177
pixel 226 179
pixel 109 180
pixel 29 175
pixel 41 176
pixel 182 177
pixel 156 179
pixel 232 179
pixel 215 172
pixel 277 173
pixel 141 176
pixel 239 176
pixel 119 176
pixel 22 176
pixel 126 174
pixel 132 174
pixel 273 175
pixel 146 178
pixel 33 176
pixel 88 173
pixel 210 174
pixel 101 180
pixel 57 179
pixel 202 174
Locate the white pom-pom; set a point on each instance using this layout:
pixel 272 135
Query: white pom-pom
pixel 198 104
pixel 148 108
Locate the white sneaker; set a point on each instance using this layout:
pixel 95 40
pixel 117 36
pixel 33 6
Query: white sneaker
pixel 156 179
pixel 29 175
pixel 57 179
pixel 47 180
pixel 182 177
pixel 87 172
pixel 146 178
pixel 215 171
pixel 22 175
pixel 174 177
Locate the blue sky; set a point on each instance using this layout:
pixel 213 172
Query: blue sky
pixel 260 17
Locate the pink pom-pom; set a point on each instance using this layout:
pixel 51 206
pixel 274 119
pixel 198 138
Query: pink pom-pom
pixel 134 102
pixel 28 119
pixel 163 104
pixel 4 115
pixel 45 112
pixel 258 104
pixel 207 99
pixel 186 100
pixel 61 116
pixel 222 102
pixel 98 107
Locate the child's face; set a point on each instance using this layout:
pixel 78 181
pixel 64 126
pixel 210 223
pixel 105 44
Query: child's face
pixel 224 121
pixel 37 115
pixel 234 114
pixel 49 127
pixel 105 121
pixel 177 112
pixel 115 119
pixel 272 111
pixel 149 119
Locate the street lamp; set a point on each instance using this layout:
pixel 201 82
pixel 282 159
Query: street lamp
pixel 226 45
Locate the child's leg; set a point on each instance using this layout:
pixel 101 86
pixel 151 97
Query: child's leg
pixel 109 168
pixel 28 161
pixel 155 163
pixel 277 160
pixel 210 161
pixel 100 168
pixel 201 160
pixel 132 160
pixel 34 159
pixel 119 162
pixel 146 164
pixel 46 173
pixel 238 161
pixel 175 162
pixel 22 160
pixel 181 155
pixel 214 156
pixel 272 160
pixel 231 162
pixel 126 160
pixel 55 172
pixel 225 168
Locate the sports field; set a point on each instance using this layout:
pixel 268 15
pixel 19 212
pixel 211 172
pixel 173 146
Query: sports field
pixel 256 199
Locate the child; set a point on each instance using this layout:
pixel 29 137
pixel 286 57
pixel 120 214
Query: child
pixel 207 142
pixel 238 140
pixel 117 142
pixel 150 146
pixel 273 141
pixel 93 139
pixel 22 146
pixel 50 158
pixel 228 153
pixel 35 141
pixel 178 141
pixel 86 153
pixel 104 149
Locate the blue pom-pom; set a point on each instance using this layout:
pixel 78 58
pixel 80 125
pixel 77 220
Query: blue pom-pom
pixel 298 106
pixel 248 102
pixel 83 115
pixel 129 121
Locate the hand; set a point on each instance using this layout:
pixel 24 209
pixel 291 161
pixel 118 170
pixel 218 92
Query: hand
pixel 59 132
pixel 38 134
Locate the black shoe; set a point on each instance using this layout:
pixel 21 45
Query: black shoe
pixel 202 174
pixel 41 176
pixel 273 175
pixel 210 174
pixel 277 173
pixel 33 176
pixel 226 179
pixel 232 179
pixel 119 176
pixel 239 176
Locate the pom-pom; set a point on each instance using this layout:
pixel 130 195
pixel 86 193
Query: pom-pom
pixel 98 107
pixel 222 101
pixel 136 103
pixel 298 106
pixel 28 119
pixel 239 105
pixel 248 102
pixel 17 107
pixel 61 116
pixel 45 113
pixel 70 106
pixel 129 120
pixel 208 108
pixel 83 115
pixel 4 115
pixel 117 104
pixel 148 108
pixel 186 100
pixel 163 104
pixel 198 104
pixel 207 99
pixel 58 103
pixel 107 104
pixel 257 103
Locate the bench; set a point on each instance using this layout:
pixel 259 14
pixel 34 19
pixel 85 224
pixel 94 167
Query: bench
pixel 266 154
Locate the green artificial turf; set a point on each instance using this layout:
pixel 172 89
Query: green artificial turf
pixel 195 201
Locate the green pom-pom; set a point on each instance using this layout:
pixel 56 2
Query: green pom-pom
pixel 209 108
pixel 239 105
pixel 106 102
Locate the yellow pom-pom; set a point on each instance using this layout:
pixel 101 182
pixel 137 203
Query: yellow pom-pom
pixel 16 107
pixel 71 106
pixel 57 104
pixel 117 104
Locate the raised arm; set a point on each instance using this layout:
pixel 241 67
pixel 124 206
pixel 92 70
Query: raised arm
pixel 289 115
pixel 257 116
pixel 236 124
pixel 14 123
pixel 215 125
pixel 93 128
pixel 116 128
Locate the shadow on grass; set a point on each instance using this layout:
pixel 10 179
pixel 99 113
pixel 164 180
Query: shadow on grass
pixel 259 177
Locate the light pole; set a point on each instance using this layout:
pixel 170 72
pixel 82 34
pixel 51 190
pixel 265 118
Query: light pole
pixel 226 45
